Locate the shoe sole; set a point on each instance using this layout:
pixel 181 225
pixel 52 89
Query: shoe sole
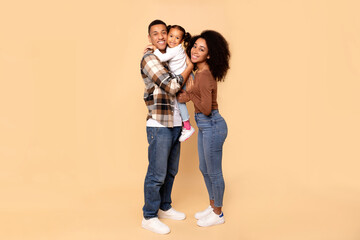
pixel 154 231
pixel 167 217
pixel 217 223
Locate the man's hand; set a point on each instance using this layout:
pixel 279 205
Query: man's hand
pixel 183 96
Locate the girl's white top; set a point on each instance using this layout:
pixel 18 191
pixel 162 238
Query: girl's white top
pixel 175 56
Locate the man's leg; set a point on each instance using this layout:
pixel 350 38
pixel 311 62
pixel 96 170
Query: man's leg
pixel 160 143
pixel 172 169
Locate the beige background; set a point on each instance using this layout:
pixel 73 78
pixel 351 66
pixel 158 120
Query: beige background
pixel 73 146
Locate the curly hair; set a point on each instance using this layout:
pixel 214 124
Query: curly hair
pixel 218 51
pixel 186 36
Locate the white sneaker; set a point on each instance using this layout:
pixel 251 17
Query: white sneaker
pixel 211 219
pixel 204 213
pixel 155 225
pixel 171 214
pixel 185 134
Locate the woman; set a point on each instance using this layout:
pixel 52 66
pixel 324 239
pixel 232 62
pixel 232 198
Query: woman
pixel 210 54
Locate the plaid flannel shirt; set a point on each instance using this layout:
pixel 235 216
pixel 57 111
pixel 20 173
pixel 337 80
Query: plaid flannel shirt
pixel 161 87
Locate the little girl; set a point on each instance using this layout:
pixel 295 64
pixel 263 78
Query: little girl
pixel 176 57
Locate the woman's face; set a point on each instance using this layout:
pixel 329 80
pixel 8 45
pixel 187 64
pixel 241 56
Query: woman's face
pixel 199 52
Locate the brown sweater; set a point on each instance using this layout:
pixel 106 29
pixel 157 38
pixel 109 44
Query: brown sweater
pixel 203 94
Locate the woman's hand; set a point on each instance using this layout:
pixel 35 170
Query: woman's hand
pixel 190 84
pixel 149 47
pixel 188 62
pixel 184 95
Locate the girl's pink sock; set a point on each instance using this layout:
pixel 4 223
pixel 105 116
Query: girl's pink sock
pixel 187 125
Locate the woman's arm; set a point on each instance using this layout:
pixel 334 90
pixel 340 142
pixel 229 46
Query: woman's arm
pixel 184 96
pixel 206 86
pixel 186 73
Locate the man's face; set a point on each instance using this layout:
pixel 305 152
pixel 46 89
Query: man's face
pixel 158 36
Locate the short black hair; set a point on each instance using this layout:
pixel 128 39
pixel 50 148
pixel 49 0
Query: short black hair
pixel 156 22
pixel 218 52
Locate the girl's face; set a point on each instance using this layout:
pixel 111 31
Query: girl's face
pixel 199 52
pixel 175 37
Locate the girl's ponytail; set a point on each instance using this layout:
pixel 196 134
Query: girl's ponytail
pixel 186 35
pixel 187 38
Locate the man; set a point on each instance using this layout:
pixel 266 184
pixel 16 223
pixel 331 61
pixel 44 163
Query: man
pixel 163 128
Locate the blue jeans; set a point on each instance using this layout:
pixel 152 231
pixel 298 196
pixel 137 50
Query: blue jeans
pixel 184 113
pixel 163 156
pixel 211 137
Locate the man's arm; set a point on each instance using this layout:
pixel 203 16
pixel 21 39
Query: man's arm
pixel 167 81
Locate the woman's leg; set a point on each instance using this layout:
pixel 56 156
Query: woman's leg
pixel 202 165
pixel 213 158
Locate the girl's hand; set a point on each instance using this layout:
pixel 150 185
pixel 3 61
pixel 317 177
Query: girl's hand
pixel 149 47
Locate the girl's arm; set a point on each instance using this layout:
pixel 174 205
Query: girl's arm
pixel 170 54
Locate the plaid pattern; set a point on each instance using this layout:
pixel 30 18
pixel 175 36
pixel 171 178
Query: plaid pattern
pixel 161 87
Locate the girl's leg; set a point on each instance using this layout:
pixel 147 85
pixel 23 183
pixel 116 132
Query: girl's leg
pixel 184 113
pixel 188 130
